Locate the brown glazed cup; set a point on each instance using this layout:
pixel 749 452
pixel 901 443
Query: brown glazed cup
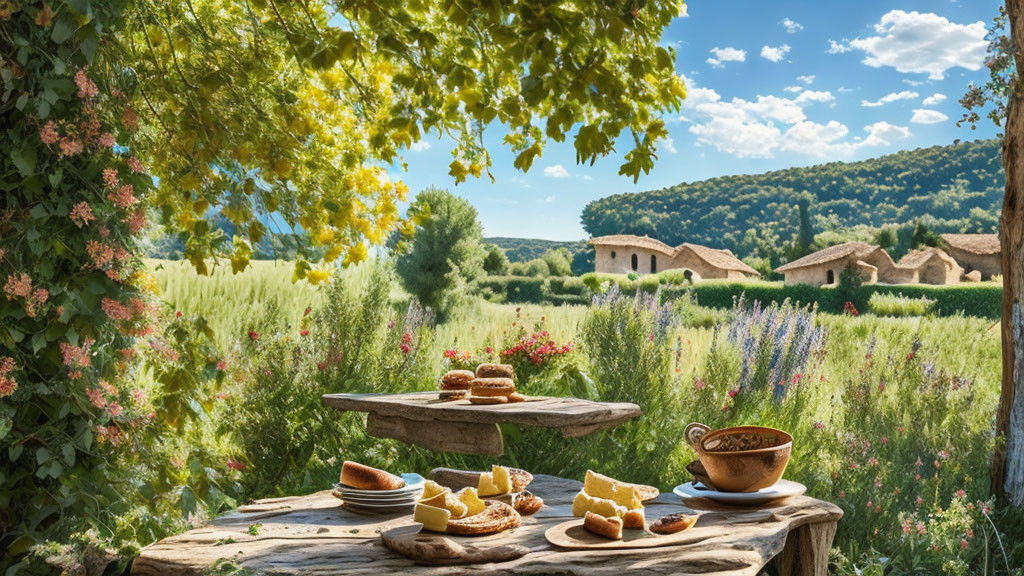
pixel 741 459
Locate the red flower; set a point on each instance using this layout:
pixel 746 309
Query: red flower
pixel 177 314
pixel 235 465
pixel 307 311
pixel 489 350
pixel 321 366
pixel 733 392
pixel 253 335
pixel 303 332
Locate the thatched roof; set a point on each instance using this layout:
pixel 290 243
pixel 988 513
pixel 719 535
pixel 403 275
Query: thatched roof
pixel 721 259
pixel 630 241
pixel 830 254
pixel 974 243
pixel 918 258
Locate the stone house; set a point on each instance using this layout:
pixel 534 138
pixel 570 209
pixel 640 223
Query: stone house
pixel 979 252
pixel 929 266
pixel 625 253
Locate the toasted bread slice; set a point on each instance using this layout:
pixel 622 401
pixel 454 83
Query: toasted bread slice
pixel 496 517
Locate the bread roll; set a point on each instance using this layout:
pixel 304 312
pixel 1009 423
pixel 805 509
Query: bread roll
pixel 363 477
pixel 448 395
pixel 527 503
pixel 457 380
pixel 493 386
pixel 495 371
pixel 516 397
pixel 634 519
pixel 610 528
pixel 673 523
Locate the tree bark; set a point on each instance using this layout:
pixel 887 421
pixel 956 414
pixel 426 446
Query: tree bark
pixel 1008 460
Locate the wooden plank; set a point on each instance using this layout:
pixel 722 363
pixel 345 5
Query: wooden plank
pixel 462 437
pixel 318 537
pixel 538 411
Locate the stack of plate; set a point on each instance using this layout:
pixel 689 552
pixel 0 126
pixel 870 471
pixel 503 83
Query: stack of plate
pixel 382 501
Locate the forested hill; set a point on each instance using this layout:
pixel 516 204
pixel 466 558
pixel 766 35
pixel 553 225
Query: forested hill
pixel 526 249
pixel 956 188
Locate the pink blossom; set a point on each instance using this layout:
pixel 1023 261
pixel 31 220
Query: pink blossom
pixel 222 365
pixel 76 355
pixel 115 310
pixel 96 397
pixel 70 146
pixel 114 410
pixel 48 133
pixel 107 140
pixel 920 501
pixel 82 214
pixel 110 177
pixel 131 119
pixel 304 332
pixel 961 493
pixel 100 254
pixel 123 196
pixel 699 384
pixel 136 221
pixel 86 88
pixel 134 165
pixel 921 528
pixel 819 425
pixel 18 286
pixel 7 384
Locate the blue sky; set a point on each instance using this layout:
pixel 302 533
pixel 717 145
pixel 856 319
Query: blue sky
pixel 770 85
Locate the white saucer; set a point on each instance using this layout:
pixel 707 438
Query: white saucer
pixel 413 485
pixel 781 489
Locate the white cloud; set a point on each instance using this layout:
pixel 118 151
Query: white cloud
pixel 587 177
pixel 667 144
pixel 420 146
pixel 793 89
pixel 924 116
pixel 556 171
pixel 844 89
pixel 923 43
pixel 807 78
pixel 774 53
pixel 791 26
pixel 934 99
pixel 548 200
pixel 721 55
pixel 838 48
pixel 910 82
pixel 761 127
pixel 889 98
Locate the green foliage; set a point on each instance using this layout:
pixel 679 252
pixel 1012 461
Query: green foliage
pixel 447 249
pixel 900 305
pixel 516 288
pixel 982 300
pixel 957 188
pixel 559 262
pixel 495 261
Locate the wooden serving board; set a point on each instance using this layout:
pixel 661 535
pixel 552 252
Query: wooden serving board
pixel 572 536
pixel 419 418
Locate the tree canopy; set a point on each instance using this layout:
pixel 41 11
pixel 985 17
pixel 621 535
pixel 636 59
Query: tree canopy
pixel 298 108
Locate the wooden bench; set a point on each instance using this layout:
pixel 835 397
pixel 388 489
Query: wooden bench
pixel 315 535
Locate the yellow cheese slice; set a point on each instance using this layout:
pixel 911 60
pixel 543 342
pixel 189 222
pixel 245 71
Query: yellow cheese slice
pixel 431 489
pixel 487 487
pixel 432 518
pixel 584 503
pixel 449 502
pixel 474 505
pixel 601 486
pixel 502 479
pixel 437 500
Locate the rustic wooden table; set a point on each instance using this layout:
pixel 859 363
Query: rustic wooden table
pixel 458 426
pixel 315 535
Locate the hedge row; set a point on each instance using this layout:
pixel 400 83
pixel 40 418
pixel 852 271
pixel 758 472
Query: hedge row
pixel 982 300
pixel 534 290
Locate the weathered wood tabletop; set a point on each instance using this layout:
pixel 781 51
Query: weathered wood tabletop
pixel 315 535
pixel 458 426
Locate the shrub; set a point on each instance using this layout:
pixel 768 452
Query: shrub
pixel 495 261
pixel 568 285
pixel 648 283
pixel 900 305
pixel 673 278
pixel 559 262
pixel 570 300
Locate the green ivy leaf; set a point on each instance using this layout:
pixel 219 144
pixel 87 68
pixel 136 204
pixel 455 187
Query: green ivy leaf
pixel 25 161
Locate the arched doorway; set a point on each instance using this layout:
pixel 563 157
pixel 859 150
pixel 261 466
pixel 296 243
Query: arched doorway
pixel 688 274
pixel 635 263
pixel 654 264
pixel 830 277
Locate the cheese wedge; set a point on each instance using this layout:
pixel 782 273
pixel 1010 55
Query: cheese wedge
pixel 502 478
pixel 584 503
pixel 474 505
pixel 601 486
pixel 432 518
pixel 449 502
pixel 431 489
pixel 486 486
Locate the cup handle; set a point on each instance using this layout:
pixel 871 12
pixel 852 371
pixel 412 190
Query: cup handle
pixel 694 433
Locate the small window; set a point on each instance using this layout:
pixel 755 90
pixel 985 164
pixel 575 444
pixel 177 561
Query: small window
pixel 688 274
pixel 654 264
pixel 830 277
pixel 613 254
pixel 635 263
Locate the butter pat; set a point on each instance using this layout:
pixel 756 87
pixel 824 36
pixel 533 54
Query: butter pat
pixel 584 503
pixel 432 518
pixel 601 486
pixel 474 505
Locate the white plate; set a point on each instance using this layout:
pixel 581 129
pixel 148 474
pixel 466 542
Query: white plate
pixel 378 507
pixel 412 498
pixel 413 484
pixel 781 489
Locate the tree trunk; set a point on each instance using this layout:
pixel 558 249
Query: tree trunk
pixel 1008 461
